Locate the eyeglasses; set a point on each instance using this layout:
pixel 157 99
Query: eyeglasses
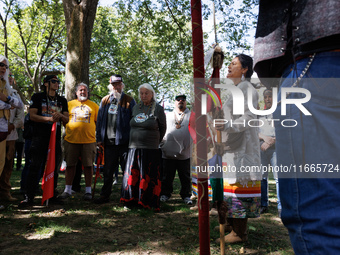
pixel 3 65
pixel 180 99
pixel 54 81
pixel 11 75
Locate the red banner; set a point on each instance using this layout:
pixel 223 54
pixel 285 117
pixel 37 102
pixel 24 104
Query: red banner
pixel 48 178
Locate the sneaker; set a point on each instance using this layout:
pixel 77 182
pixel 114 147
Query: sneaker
pixel 64 195
pixel 102 200
pixel 115 182
pixel 164 198
pixel 87 196
pixel 25 203
pixel 187 200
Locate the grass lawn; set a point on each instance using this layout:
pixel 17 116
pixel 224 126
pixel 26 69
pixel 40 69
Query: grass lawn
pixel 80 227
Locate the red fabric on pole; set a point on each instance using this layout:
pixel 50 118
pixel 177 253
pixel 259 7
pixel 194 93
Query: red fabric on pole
pixel 48 178
pixel 199 81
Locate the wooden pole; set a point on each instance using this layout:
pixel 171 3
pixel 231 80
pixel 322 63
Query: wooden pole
pixel 199 81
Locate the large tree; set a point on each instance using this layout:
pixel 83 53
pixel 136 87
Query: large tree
pixel 79 19
pixel 7 5
pixel 145 41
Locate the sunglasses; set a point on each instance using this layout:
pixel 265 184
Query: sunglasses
pixel 54 81
pixel 11 75
pixel 180 99
pixel 3 65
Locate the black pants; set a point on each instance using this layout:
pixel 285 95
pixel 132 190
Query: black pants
pixel 169 171
pixel 19 149
pixel 114 155
pixel 38 152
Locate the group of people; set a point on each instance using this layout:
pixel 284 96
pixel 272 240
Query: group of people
pixel 295 43
pixel 138 138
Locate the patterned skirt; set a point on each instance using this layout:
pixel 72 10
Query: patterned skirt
pixel 243 201
pixel 141 181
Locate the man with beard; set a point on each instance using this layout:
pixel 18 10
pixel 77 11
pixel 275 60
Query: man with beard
pixel 80 140
pixel 176 151
pixel 113 131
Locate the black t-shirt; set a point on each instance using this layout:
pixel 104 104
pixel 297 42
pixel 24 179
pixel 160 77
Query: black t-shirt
pixel 46 107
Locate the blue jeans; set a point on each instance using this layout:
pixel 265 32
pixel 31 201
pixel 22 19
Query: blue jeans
pixel 311 206
pixel 268 157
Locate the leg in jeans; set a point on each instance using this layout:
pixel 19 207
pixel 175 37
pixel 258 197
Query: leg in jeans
pixel 310 206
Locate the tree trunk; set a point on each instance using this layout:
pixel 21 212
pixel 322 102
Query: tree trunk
pixel 79 19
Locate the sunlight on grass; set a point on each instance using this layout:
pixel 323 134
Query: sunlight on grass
pixel 45 230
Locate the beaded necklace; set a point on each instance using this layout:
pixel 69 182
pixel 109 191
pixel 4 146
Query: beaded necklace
pixel 147 110
pixel 179 122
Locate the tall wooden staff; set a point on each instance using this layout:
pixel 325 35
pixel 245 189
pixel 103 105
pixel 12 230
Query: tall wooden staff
pixel 199 81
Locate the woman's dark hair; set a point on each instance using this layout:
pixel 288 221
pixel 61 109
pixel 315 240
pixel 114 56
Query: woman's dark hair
pixel 246 62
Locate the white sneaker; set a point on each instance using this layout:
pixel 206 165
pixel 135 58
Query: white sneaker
pixel 115 182
pixel 187 200
pixel 164 198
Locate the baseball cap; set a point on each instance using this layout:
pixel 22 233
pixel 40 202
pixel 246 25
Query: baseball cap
pixel 116 78
pixel 181 95
pixel 50 77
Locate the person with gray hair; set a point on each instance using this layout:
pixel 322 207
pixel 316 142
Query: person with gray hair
pixel 15 121
pixel 80 139
pixel 6 103
pixel 142 178
pixel 113 132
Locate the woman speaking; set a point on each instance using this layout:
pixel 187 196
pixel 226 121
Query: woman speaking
pixel 242 188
